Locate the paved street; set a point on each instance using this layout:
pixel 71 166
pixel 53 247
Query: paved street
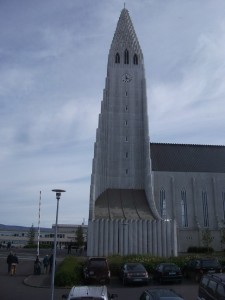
pixel 13 288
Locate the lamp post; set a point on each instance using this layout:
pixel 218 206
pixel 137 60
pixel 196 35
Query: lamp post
pixel 58 194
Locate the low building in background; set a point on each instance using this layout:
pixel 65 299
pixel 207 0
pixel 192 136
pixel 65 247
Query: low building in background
pixel 18 236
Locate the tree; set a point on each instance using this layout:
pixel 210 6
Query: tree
pixel 80 237
pixel 31 236
pixel 207 238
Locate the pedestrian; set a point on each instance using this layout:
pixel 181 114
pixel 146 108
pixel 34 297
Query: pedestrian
pixel 69 248
pixel 14 264
pixel 50 263
pixel 9 261
pixel 37 266
pixel 46 263
pixel 8 245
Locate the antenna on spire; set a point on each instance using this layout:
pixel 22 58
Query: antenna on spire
pixel 124 5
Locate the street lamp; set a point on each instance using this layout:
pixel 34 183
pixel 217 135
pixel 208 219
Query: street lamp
pixel 58 194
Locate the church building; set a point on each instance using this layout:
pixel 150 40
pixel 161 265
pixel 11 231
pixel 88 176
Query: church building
pixel 147 198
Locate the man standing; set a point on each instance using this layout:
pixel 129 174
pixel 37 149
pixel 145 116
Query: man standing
pixel 9 261
pixel 14 264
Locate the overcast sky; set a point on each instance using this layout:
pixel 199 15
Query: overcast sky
pixel 53 59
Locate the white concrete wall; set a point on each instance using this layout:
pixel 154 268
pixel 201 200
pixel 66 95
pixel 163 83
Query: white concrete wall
pixel 123 237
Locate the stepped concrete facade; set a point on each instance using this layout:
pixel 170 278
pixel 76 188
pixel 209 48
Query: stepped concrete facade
pixel 153 198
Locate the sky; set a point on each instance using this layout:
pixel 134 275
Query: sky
pixel 53 61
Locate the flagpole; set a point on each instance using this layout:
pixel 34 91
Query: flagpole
pixel 39 217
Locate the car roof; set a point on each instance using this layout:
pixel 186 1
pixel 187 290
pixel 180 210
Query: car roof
pixel 97 258
pixel 92 291
pixel 217 276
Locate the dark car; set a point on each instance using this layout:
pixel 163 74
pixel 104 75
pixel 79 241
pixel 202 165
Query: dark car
pixel 134 273
pixel 166 272
pixel 97 271
pixel 160 294
pixel 195 268
pixel 212 287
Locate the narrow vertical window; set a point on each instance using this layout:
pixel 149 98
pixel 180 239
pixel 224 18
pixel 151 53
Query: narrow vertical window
pixel 135 60
pixel 162 199
pixel 126 171
pixel 223 201
pixel 117 58
pixel 205 209
pixel 125 123
pixel 126 94
pixel 126 154
pixel 126 57
pixel 126 139
pixel 126 107
pixel 184 219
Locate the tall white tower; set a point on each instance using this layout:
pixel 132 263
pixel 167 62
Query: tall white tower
pixel 121 183
pixel 121 164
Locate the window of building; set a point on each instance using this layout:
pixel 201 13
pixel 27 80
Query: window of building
pixel 135 60
pixel 126 154
pixel 223 200
pixel 125 123
pixel 205 209
pixel 126 139
pixel 184 219
pixel 126 107
pixel 117 58
pixel 126 171
pixel 126 93
pixel 162 203
pixel 126 57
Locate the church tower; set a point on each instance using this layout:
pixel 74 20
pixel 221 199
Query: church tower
pixel 121 193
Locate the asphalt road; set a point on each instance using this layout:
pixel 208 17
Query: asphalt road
pixel 13 287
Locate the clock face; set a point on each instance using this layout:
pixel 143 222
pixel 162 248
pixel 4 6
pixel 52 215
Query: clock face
pixel 126 77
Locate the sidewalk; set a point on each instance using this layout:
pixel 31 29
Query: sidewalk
pixel 42 280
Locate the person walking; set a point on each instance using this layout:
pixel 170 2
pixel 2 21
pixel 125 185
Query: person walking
pixel 46 263
pixel 37 266
pixel 9 261
pixel 14 264
pixel 50 263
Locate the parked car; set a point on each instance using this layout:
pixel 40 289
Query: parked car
pixel 160 294
pixel 195 268
pixel 89 292
pixel 133 273
pixel 212 287
pixel 97 270
pixel 165 272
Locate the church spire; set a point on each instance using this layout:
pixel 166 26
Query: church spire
pixel 125 38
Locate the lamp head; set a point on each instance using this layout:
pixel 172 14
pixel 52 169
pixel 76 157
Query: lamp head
pixel 58 193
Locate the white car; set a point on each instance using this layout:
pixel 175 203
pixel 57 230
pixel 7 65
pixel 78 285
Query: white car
pixel 89 292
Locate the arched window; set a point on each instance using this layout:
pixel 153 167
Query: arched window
pixel 205 209
pixel 184 218
pixel 117 58
pixel 162 203
pixel 126 57
pixel 135 60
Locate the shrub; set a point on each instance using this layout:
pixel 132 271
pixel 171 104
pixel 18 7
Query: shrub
pixel 69 272
pixel 200 250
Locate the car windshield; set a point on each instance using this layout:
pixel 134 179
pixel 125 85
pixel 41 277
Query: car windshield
pixel 210 263
pixel 170 268
pixel 97 264
pixel 135 267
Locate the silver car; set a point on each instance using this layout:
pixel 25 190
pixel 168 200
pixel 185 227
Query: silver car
pixel 89 292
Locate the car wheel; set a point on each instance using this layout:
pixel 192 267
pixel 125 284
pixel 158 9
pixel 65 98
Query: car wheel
pixel 124 282
pixel 197 278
